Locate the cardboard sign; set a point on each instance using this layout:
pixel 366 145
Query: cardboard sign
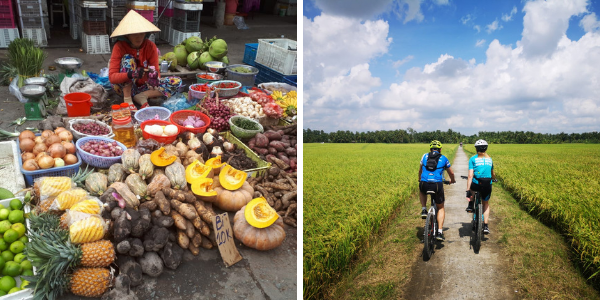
pixel 224 235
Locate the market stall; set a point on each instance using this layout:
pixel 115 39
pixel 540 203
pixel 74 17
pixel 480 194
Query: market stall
pixel 122 194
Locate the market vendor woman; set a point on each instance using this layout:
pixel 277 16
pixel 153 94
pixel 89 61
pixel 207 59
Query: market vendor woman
pixel 134 61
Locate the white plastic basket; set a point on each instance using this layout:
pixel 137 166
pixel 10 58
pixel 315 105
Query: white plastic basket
pixel 141 5
pixel 95 44
pixel 278 54
pixel 7 35
pixel 177 36
pixel 37 35
pixel 77 135
pixel 188 6
pixel 165 32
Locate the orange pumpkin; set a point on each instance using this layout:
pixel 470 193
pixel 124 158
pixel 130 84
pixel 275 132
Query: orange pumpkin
pixel 162 158
pixel 258 238
pixel 232 200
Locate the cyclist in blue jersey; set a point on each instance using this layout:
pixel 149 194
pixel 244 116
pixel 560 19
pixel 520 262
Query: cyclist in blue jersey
pixel 481 174
pixel 431 178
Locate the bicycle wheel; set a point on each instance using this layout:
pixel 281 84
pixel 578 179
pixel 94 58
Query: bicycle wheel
pixel 479 231
pixel 428 238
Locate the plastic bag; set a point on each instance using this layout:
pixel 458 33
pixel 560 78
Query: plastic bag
pixel 104 72
pixel 67 199
pixel 52 186
pixel 85 228
pixel 239 22
pixel 90 205
pixel 15 91
pixel 177 102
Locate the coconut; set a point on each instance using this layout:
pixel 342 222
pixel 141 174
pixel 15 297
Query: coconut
pixel 181 54
pixel 225 60
pixel 193 44
pixel 204 58
pixel 218 49
pixel 172 58
pixel 192 60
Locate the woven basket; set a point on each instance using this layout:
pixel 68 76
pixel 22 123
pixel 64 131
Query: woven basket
pixel 77 135
pixel 95 160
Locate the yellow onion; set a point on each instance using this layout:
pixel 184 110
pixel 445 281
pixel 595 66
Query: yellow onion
pixel 46 162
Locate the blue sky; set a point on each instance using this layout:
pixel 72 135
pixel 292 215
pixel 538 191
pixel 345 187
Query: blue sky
pixel 472 65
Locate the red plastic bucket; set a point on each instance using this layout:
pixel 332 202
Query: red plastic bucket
pixel 78 104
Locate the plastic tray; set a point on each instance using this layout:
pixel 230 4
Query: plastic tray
pixel 95 160
pixel 77 135
pixel 7 35
pixel 10 153
pixel 266 74
pixel 262 166
pixel 30 176
pixel 160 139
pixel 278 54
pixel 183 114
pixel 95 44
pixel 37 35
pixel 291 80
pixel 149 113
pixel 177 36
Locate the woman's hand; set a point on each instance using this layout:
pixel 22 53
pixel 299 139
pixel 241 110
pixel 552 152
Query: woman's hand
pixel 139 73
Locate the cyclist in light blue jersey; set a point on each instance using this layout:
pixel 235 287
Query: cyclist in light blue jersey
pixel 431 178
pixel 481 174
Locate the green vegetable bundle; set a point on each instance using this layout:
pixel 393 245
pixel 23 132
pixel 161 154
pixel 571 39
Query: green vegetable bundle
pixel 26 58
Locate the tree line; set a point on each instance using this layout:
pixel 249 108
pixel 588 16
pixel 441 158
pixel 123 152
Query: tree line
pixel 451 137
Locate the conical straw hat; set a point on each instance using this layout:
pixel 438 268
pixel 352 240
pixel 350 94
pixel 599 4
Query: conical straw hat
pixel 133 23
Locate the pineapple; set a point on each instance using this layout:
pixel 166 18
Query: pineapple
pixel 52 186
pixel 97 254
pixel 68 198
pixel 64 224
pixel 88 206
pixel 90 282
pixel 87 230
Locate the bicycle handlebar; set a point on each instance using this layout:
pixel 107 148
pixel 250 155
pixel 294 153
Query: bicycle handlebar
pixel 466 177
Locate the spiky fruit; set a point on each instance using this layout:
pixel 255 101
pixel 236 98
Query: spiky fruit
pixel 97 254
pixel 87 206
pixel 90 282
pixel 63 221
pixel 45 205
pixel 87 230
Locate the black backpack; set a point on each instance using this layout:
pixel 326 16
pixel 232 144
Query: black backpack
pixel 432 161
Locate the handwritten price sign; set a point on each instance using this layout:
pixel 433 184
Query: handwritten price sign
pixel 224 236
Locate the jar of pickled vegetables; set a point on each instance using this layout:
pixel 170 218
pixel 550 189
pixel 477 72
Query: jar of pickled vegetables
pixel 124 131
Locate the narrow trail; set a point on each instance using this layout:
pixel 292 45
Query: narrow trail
pixel 455 271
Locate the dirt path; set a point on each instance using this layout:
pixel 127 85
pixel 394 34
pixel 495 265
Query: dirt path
pixel 455 271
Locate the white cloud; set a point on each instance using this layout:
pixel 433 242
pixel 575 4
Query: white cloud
pixel 478 28
pixel 442 2
pixel 590 23
pixel 398 63
pixel 479 43
pixel 353 8
pixel 466 19
pixel 509 17
pixel 408 10
pixel 493 26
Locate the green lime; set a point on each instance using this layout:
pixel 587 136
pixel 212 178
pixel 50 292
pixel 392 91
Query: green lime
pixel 14 290
pixel 23 239
pixel 12 269
pixel 7 283
pixel 7 255
pixel 26 265
pixel 19 228
pixel 2 293
pixel 1 206
pixel 17 247
pixel 24 283
pixel 2 263
pixel 4 213
pixel 3 245
pixel 16 216
pixel 10 236
pixel 4 226
pixel 16 204
pixel 27 273
pixel 19 257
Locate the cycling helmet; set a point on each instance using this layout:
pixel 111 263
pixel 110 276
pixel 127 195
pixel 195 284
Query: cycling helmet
pixel 481 145
pixel 435 144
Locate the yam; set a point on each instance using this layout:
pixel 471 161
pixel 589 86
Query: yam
pixel 163 203
pixel 197 240
pixel 291 210
pixel 123 247
pixel 285 199
pixel 182 239
pixel 283 157
pixel 185 209
pixel 150 205
pixel 252 142
pixel 152 264
pixel 179 220
pixel 163 221
pixel 195 250
pixel 122 227
pixel 189 230
pixel 172 255
pixel 156 239
pixel 179 195
pixel 281 164
pixel 201 226
pixel 289 221
pixel 272 151
pixel 278 205
pixel 204 212
pixel 128 265
pixel 137 248
pixel 261 151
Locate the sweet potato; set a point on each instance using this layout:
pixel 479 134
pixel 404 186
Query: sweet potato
pixel 182 239
pixel 183 196
pixel 252 142
pixel 277 145
pixel 197 240
pixel 206 244
pixel 262 141
pixel 290 151
pixel 273 135
pixel 281 164
pixel 163 203
pixel 189 229
pixel 195 250
pixel 179 220
pixel 201 226
pixel 205 214
pixel 261 151
pixel 283 157
pixel 293 163
pixel 185 209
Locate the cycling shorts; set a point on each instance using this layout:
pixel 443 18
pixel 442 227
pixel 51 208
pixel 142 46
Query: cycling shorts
pixel 484 187
pixel 437 187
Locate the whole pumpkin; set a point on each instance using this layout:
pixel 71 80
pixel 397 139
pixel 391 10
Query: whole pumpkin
pixel 232 200
pixel 258 238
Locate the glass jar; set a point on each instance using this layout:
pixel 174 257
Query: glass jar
pixel 124 132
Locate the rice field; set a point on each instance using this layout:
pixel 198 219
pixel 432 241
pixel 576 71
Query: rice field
pixel 560 184
pixel 350 190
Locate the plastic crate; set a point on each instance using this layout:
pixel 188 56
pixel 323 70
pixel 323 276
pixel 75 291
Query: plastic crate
pixel 148 14
pixel 93 14
pixel 113 23
pixel 31 22
pixel 6 7
pixel 177 36
pixel 141 5
pixel 164 3
pixel 7 22
pixel 186 15
pixel 266 74
pixel 165 32
pixel 30 176
pixel 7 35
pixel 278 54
pixel 250 54
pixel 188 6
pixel 117 3
pixel 94 27
pixel 95 44
pixel 168 12
pixel 37 35
pixel 185 26
pixel 74 27
pixel 165 21
pixel 291 80
pixel 262 166
pixel 117 13
pixel 29 8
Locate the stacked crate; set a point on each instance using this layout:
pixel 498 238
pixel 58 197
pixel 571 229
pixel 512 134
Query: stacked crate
pixel 117 12
pixel 164 20
pixel 185 22
pixel 8 27
pixel 94 32
pixel 33 23
pixel 147 9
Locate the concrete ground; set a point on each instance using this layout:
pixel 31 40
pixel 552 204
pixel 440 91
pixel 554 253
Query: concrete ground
pixel 260 275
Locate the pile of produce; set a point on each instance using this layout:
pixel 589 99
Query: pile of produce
pixel 48 150
pixel 192 122
pixel 26 58
pixel 160 130
pixel 91 128
pixel 218 112
pixel 268 104
pixel 102 148
pixel 193 53
pixel 278 146
pixel 245 106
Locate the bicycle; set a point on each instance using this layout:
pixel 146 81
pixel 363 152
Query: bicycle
pixel 477 222
pixel 431 226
